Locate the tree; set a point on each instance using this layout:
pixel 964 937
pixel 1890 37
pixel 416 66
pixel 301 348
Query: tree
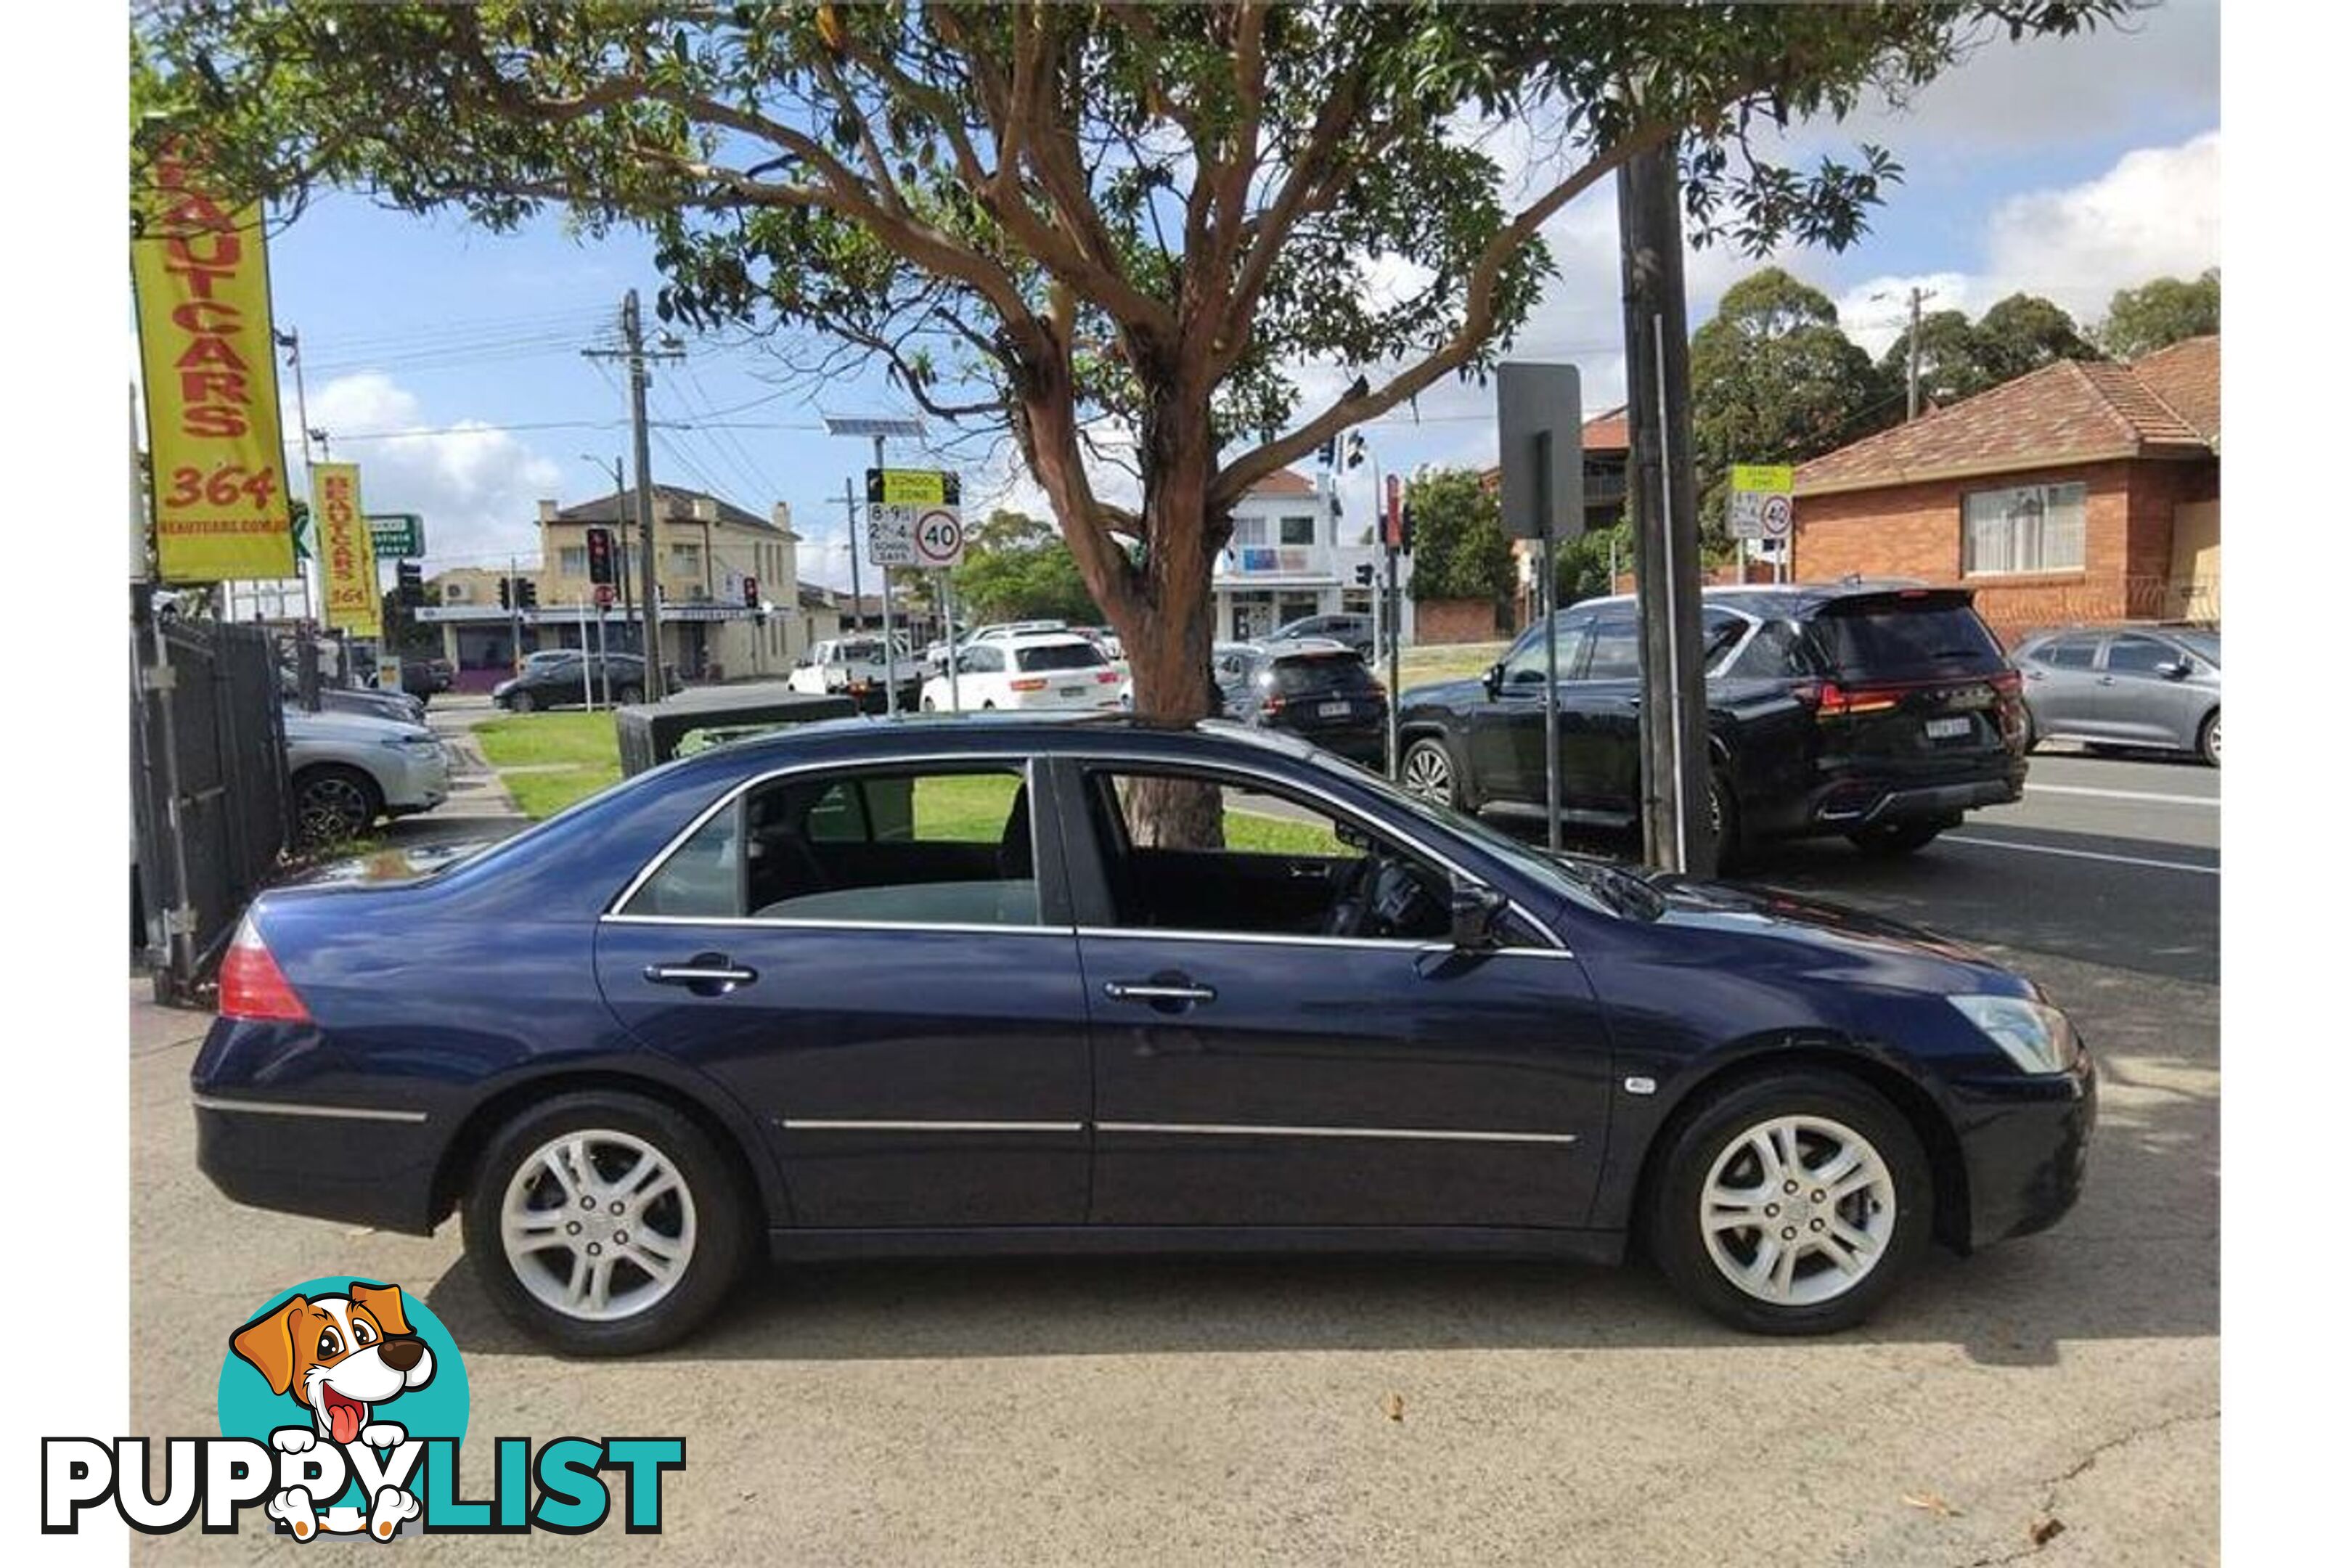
pixel 1774 380
pixel 1459 549
pixel 2142 319
pixel 1949 365
pixel 1048 219
pixel 1016 568
pixel 1583 567
pixel 1959 359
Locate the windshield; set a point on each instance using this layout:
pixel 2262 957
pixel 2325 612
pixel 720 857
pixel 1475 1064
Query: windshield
pixel 2205 646
pixel 1321 673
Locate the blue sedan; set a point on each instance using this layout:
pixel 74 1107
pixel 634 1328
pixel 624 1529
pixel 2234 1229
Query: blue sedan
pixel 984 986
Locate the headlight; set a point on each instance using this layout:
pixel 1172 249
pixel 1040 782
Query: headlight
pixel 2036 1035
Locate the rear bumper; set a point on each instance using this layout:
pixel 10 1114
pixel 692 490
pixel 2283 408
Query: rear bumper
pixel 2027 1143
pixel 1863 800
pixel 334 1162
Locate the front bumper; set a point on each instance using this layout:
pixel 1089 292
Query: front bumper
pixel 2027 1143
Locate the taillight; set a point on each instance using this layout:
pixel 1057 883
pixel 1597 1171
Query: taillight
pixel 1030 683
pixel 1835 700
pixel 2009 683
pixel 1106 677
pixel 251 983
pixel 1271 703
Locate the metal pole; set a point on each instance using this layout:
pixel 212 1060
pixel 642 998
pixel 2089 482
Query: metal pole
pixel 603 653
pixel 587 687
pixel 889 649
pixel 621 533
pixel 1551 641
pixel 1396 643
pixel 292 340
pixel 1911 382
pixel 514 611
pixel 857 594
pixel 947 609
pixel 633 326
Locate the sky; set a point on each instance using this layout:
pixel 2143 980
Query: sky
pixel 2068 168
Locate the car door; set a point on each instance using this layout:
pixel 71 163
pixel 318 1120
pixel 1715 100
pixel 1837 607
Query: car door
pixel 2134 700
pixel 1506 730
pixel 1600 720
pixel 878 963
pixel 2059 680
pixel 1254 1068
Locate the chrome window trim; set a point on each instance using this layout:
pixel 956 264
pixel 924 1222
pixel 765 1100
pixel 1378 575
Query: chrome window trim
pixel 1027 763
pixel 1282 939
pixel 1246 1130
pixel 856 1124
pixel 958 927
pixel 1732 655
pixel 295 1107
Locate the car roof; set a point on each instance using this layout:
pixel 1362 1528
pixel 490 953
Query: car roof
pixel 1771 598
pixel 1019 640
pixel 869 737
pixel 1295 648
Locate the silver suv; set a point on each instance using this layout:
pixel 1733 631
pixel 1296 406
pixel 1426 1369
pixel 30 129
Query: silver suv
pixel 345 770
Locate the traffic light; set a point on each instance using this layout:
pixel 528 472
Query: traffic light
pixel 411 577
pixel 750 592
pixel 1405 529
pixel 600 555
pixel 527 592
pixel 1328 453
pixel 1364 574
pixel 1355 447
pixel 506 592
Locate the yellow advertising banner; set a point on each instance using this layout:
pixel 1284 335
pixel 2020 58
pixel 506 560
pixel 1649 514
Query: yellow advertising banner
pixel 201 280
pixel 346 549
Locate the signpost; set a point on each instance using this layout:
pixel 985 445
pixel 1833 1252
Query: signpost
pixel 1761 506
pixel 914 517
pixel 398 535
pixel 1539 411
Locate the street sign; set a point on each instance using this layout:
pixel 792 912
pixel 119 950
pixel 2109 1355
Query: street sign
pixel 890 534
pixel 1760 505
pixel 913 486
pixel 1539 413
pixel 604 596
pixel 939 537
pixel 396 534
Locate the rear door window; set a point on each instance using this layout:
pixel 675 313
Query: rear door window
pixel 2138 655
pixel 2067 653
pixel 1616 653
pixel 1923 637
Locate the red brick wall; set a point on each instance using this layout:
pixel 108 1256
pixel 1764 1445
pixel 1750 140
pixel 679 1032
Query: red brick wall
pixel 1914 531
pixel 1455 620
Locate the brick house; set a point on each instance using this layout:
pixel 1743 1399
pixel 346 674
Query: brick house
pixel 2078 492
pixel 1606 448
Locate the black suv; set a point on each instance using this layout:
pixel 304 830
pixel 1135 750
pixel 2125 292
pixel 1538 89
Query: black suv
pixel 1878 712
pixel 1317 689
pixel 561 676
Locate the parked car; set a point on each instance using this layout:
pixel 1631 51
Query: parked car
pixel 1045 670
pixel 556 677
pixel 1319 689
pixel 2126 685
pixel 854 666
pixel 346 770
pixel 368 701
pixel 931 981
pixel 1354 630
pixel 1880 713
pixel 426 678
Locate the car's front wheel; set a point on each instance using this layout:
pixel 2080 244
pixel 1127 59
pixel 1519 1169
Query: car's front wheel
pixel 605 1223
pixel 1792 1202
pixel 333 803
pixel 1428 772
pixel 2209 738
pixel 520 701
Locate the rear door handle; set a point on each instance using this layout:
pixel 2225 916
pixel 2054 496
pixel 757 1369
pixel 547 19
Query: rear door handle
pixel 1149 991
pixel 704 972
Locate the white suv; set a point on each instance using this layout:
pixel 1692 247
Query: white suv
pixel 1050 670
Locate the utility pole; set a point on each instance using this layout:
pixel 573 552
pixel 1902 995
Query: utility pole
pixel 633 331
pixel 849 499
pixel 1676 835
pixel 291 341
pixel 514 609
pixel 1911 382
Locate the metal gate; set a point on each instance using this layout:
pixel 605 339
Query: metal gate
pixel 207 788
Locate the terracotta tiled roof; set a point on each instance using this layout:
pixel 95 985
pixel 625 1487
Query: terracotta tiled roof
pixel 2188 377
pixel 669 500
pixel 1284 482
pixel 2069 412
pixel 1606 432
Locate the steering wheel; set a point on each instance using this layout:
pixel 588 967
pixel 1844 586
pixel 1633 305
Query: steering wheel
pixel 1351 898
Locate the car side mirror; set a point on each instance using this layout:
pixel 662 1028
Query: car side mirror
pixel 1477 913
pixel 2176 669
pixel 1493 681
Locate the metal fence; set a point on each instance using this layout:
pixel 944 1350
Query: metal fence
pixel 207 787
pixel 2016 611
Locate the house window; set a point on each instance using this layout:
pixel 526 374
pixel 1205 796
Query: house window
pixel 2027 528
pixel 1249 530
pixel 572 561
pixel 1297 530
pixel 686 560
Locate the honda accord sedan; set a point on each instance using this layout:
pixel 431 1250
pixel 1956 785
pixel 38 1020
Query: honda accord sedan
pixel 992 985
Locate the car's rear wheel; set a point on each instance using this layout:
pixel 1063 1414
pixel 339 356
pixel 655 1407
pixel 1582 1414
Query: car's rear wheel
pixel 1792 1202
pixel 1895 837
pixel 1723 820
pixel 2209 738
pixel 333 803
pixel 521 701
pixel 1427 771
pixel 605 1223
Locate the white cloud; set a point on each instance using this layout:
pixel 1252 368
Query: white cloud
pixel 476 488
pixel 2156 214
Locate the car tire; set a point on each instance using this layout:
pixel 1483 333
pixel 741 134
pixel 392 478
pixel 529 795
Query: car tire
pixel 1716 1154
pixel 707 1214
pixel 1886 839
pixel 1427 771
pixel 520 701
pixel 333 803
pixel 631 695
pixel 1723 816
pixel 929 705
pixel 2032 733
pixel 2209 738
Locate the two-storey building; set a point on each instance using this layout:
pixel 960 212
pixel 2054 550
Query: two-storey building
pixel 1287 560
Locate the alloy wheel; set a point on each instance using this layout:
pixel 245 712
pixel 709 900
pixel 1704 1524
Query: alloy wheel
pixel 1796 1210
pixel 598 1225
pixel 1429 773
pixel 332 809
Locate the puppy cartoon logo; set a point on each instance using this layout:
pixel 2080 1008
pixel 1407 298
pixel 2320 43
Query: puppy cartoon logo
pixel 342 1358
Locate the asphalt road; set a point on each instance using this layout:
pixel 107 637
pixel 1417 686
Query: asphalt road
pixel 1186 1412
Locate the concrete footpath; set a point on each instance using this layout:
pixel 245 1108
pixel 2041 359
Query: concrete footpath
pixel 2053 1400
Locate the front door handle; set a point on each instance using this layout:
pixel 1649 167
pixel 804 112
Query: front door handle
pixel 1154 991
pixel 708 972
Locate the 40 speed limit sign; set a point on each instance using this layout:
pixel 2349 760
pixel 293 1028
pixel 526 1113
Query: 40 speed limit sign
pixel 939 537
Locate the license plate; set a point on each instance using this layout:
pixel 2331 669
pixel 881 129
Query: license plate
pixel 1071 690
pixel 1947 729
pixel 1336 709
